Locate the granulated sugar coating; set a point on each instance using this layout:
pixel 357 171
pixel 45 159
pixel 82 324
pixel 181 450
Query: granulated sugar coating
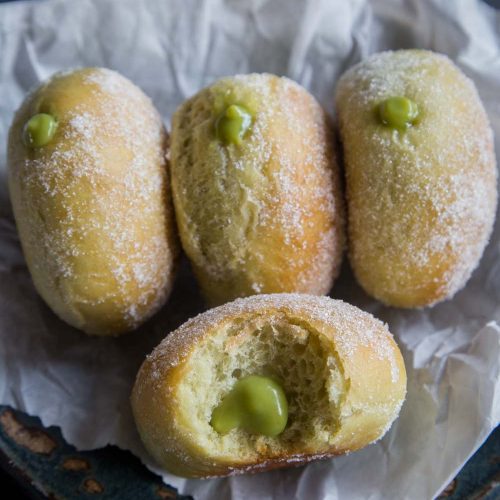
pixel 265 215
pixel 339 367
pixel 355 327
pixel 422 201
pixel 92 207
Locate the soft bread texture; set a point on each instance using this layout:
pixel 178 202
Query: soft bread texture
pixel 92 207
pixel 340 368
pixel 421 202
pixel 265 216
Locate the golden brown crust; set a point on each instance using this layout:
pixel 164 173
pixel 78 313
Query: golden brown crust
pixel 265 216
pixel 421 202
pixel 371 364
pixel 92 207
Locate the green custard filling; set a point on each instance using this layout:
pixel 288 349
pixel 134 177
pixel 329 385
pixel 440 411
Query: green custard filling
pixel 398 112
pixel 255 404
pixel 232 125
pixel 39 130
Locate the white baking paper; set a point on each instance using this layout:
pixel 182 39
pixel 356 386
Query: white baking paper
pixel 171 49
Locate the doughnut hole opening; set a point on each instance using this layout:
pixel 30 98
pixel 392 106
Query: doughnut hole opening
pixel 291 352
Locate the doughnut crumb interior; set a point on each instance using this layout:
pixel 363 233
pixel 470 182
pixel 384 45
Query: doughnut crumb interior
pixel 278 347
pixel 339 367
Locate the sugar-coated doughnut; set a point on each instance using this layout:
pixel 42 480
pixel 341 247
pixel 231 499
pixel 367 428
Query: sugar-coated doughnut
pixel 298 377
pixel 89 189
pixel 256 188
pixel 420 175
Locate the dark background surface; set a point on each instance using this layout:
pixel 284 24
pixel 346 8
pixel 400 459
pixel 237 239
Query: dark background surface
pixel 33 455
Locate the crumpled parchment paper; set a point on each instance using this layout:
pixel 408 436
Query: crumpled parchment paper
pixel 171 49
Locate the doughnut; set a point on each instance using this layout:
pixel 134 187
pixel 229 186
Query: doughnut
pixel 420 176
pixel 268 381
pixel 89 190
pixel 256 189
